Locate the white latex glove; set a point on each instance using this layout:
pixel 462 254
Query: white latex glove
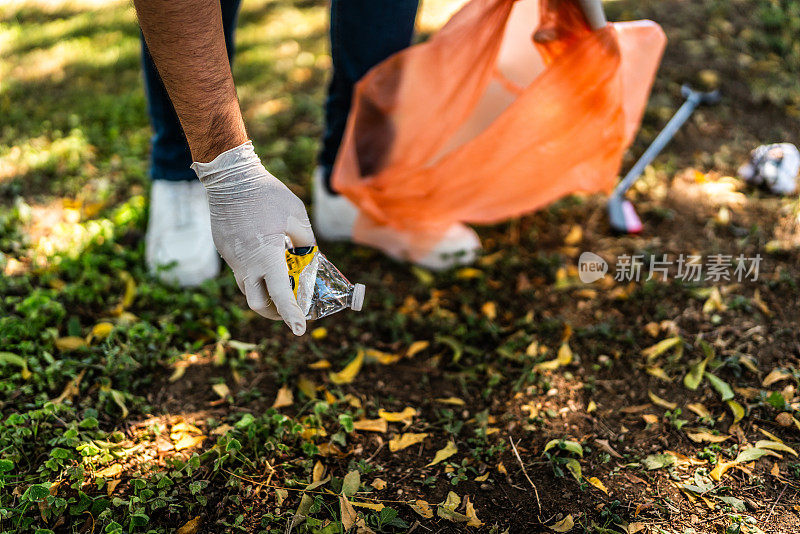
pixel 251 213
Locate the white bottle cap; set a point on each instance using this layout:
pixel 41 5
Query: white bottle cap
pixel 358 297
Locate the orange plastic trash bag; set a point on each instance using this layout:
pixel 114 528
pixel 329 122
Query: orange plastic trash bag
pixel 510 106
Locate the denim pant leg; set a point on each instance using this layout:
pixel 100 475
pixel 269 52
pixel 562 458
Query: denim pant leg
pixel 170 156
pixel 363 33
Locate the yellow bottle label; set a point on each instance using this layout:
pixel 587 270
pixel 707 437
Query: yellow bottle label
pixel 297 259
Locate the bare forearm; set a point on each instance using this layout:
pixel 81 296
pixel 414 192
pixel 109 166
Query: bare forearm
pixel 187 43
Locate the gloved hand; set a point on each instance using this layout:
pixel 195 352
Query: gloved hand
pixel 251 212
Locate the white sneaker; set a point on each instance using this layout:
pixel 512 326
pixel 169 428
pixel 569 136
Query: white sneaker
pixel 334 217
pixel 179 234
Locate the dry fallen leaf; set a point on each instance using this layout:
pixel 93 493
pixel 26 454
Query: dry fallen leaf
pixel 699 409
pixel 650 419
pixel 109 472
pixel 422 508
pixel 574 236
pixel 191 526
pixel 284 398
pixel 318 473
pixel 594 481
pixel 371 425
pixel 369 505
pixel 658 401
pixel 443 454
pixel 776 375
pixel 417 346
pixel 489 310
pixel 565 525
pixel 405 440
pixel 654 351
pixel 320 364
pixel 348 513
pixel 470 513
pixel 379 484
pixel 222 390
pixel 348 374
pixel 705 436
pixel 319 333
pixel 70 343
pixel 307 387
pixel 384 358
pixel 100 331
pixel 188 441
pixel 451 400
pixel 395 417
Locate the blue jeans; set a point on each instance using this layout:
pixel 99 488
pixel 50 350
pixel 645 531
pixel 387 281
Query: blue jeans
pixel 363 33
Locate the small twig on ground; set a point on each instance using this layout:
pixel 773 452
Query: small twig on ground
pixel 525 472
pixel 776 503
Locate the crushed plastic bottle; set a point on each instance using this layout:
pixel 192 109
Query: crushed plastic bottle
pixel 319 287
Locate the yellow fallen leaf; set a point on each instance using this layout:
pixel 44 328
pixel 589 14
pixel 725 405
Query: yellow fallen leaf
pixel 70 343
pixel 320 364
pixel 532 349
pixel 770 435
pixel 591 407
pixel 502 469
pixel 654 351
pixel 594 481
pixel 352 400
pixel 699 409
pixel 318 472
pixel 379 484
pixel 468 273
pixel 658 372
pixel 109 472
pixel 307 387
pixel 649 418
pixel 329 449
pixel 422 508
pixel 384 358
pixel 470 513
pixel 101 331
pixel 221 430
pixel 549 365
pixel 776 375
pixel 704 436
pixel 443 454
pixel 369 505
pixel 564 354
pixel 191 526
pixel 574 236
pixel 776 446
pixel 348 374
pixel 72 388
pixel 222 390
pixel 182 427
pixel 417 346
pixel 483 478
pixel 658 401
pixel 188 441
pixel 319 333
pixel 395 417
pixel 451 400
pixel 371 425
pixel 565 525
pixel 714 303
pixel 737 409
pixel 111 485
pixel 489 310
pixel 284 398
pixel 405 440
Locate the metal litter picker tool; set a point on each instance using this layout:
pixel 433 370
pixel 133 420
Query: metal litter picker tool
pixel 621 213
